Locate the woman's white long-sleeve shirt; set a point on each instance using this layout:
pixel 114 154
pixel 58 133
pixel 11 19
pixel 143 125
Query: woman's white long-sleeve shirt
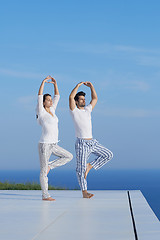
pixel 48 122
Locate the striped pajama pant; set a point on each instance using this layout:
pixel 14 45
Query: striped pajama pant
pixel 83 150
pixel 45 151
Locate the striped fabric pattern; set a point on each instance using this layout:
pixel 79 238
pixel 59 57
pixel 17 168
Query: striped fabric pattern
pixel 84 148
pixel 45 151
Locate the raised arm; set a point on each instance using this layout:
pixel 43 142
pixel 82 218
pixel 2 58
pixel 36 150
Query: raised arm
pixel 40 96
pixel 40 92
pixel 56 92
pixel 94 97
pixel 54 82
pixel 72 103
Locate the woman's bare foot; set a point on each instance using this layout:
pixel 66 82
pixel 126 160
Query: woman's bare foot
pixel 89 167
pixel 48 199
pixel 86 194
pixel 48 170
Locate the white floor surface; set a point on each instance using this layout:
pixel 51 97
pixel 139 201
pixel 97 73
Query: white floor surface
pixel 24 216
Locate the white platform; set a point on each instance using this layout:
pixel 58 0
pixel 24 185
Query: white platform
pixel 24 216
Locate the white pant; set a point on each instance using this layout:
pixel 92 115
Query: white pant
pixel 45 151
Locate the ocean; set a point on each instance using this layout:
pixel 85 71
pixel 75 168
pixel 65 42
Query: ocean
pixel 147 181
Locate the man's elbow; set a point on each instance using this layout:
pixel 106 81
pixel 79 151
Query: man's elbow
pixel 71 97
pixel 95 99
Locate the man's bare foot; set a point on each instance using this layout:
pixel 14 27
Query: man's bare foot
pixel 90 195
pixel 48 199
pixel 89 167
pixel 86 194
pixel 48 170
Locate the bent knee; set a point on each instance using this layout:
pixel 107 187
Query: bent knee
pixel 110 156
pixel 69 156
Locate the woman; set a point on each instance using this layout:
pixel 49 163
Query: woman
pixel 48 143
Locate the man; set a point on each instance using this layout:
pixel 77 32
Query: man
pixel 85 144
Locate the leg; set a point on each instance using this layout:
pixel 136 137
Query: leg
pixel 89 167
pixel 64 156
pixel 82 154
pixel 48 170
pixel 44 155
pixel 103 155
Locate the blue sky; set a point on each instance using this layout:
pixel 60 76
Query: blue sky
pixel 114 44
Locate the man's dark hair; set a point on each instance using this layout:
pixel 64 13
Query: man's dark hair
pixel 46 95
pixel 79 94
